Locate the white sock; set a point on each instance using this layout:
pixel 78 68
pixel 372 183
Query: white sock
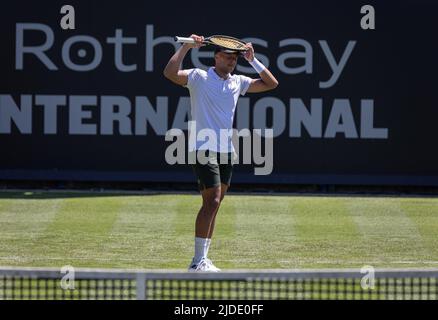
pixel 201 249
pixel 207 247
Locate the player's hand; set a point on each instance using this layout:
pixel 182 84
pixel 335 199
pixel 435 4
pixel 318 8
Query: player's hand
pixel 249 53
pixel 198 41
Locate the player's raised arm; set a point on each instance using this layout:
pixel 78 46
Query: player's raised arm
pixel 267 81
pixel 172 70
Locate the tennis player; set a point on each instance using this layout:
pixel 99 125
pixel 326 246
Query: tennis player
pixel 214 94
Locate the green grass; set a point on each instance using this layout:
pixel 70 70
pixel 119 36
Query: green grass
pixel 156 231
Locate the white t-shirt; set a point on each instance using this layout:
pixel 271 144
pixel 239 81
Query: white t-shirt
pixel 213 104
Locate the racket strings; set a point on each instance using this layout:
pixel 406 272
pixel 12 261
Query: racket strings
pixel 228 43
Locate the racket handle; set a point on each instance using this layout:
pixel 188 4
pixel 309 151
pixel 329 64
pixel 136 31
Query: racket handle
pixel 184 40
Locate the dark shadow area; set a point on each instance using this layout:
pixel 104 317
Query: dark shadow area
pixel 56 189
pixel 57 194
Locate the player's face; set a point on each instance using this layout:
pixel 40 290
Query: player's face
pixel 226 61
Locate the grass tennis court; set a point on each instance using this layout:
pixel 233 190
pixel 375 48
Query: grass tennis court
pixel 52 229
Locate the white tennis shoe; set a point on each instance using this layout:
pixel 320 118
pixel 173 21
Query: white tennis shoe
pixel 205 265
pixel 212 266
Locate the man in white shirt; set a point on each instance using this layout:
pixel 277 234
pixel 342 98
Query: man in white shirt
pixel 213 96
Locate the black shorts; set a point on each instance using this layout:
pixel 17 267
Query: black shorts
pixel 216 169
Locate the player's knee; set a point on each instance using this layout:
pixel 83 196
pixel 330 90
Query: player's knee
pixel 212 204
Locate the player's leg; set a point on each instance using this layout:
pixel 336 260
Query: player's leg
pixel 226 170
pixel 224 188
pixel 205 223
pixel 211 198
pixel 210 204
pixel 210 186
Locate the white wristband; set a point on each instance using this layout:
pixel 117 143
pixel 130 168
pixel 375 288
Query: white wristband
pixel 257 65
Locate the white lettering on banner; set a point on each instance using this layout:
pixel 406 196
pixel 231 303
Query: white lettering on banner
pixel 77 114
pixel 261 57
pixel 307 55
pixel 118 42
pixel 38 51
pixel 336 67
pixel 50 105
pixel 367 129
pixel 301 116
pixel 66 53
pixel 20 115
pixel 151 43
pixel 341 120
pixel 278 114
pixel 109 115
pixel 182 115
pixel 197 54
pixel 45 55
pixel 156 117
pixel 88 113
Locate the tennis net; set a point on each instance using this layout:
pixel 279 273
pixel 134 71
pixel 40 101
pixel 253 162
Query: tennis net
pixel 395 284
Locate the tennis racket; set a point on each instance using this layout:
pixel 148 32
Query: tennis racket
pixel 218 40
